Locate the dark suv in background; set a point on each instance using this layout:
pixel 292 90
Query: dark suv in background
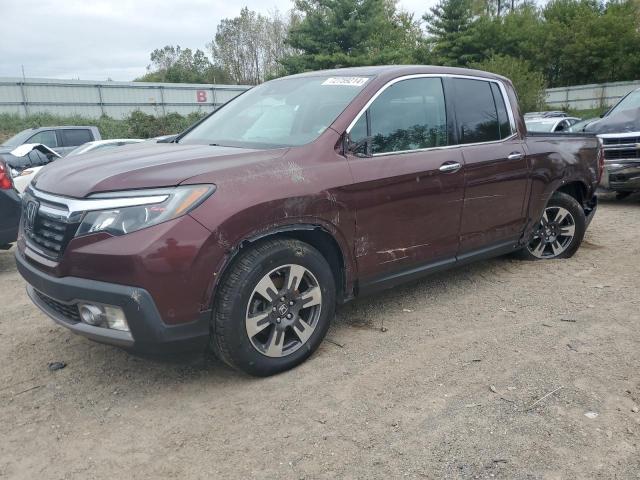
pixel 619 129
pixel 244 232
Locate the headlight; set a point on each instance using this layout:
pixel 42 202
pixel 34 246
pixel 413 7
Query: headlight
pixel 128 217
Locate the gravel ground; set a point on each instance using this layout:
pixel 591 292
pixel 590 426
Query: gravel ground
pixel 503 369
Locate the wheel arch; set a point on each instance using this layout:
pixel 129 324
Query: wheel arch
pixel 577 189
pixel 315 235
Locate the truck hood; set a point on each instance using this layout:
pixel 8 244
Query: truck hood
pixel 144 165
pixel 620 122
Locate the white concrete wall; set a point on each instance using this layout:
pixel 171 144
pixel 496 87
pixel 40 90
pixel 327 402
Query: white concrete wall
pixel 583 97
pixel 115 99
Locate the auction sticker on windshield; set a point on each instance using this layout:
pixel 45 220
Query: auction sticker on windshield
pixel 347 81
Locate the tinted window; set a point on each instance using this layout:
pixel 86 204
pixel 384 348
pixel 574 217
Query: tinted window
pixel 503 116
pixel 408 115
pixel 47 137
pixel 476 111
pixel 75 137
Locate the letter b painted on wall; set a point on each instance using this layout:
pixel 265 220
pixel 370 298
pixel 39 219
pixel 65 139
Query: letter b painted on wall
pixel 201 96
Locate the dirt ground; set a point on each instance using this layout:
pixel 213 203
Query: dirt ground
pixel 459 386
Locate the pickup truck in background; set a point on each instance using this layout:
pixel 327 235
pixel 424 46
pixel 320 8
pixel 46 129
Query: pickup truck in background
pixel 619 129
pixel 244 232
pixel 61 139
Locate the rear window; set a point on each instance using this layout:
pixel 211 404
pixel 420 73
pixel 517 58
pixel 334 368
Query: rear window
pixel 476 111
pixel 75 137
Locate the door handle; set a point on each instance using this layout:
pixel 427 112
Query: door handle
pixel 450 167
pixel 516 156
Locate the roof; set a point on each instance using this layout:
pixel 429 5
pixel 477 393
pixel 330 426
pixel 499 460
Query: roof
pixel 400 70
pixel 63 127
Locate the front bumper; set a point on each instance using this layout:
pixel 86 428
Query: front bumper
pixel 10 206
pixel 590 209
pixel 621 177
pixel 57 297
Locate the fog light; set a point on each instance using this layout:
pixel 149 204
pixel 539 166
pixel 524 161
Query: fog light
pixel 106 316
pixel 91 314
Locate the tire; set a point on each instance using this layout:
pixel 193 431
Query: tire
pixel 287 327
pixel 622 195
pixel 554 239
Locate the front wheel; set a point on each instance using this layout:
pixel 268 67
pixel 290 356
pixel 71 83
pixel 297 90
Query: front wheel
pixel 274 307
pixel 560 230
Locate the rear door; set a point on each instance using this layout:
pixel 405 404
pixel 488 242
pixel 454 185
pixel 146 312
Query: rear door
pixel 71 138
pixel 408 183
pixel 496 169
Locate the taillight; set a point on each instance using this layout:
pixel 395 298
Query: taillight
pixel 5 178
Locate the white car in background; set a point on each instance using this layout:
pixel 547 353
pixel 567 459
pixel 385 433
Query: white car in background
pixel 550 124
pixel 102 145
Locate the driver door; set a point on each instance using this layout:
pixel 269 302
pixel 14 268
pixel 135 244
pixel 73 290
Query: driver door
pixel 408 187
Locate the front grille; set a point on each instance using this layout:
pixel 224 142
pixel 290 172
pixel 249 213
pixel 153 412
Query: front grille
pixel 622 153
pixel 620 141
pixel 68 311
pixel 50 231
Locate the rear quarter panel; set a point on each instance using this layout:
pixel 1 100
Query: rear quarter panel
pixel 556 160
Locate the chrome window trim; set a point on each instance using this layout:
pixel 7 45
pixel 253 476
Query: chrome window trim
pixel 444 147
pixel 74 205
pixel 503 91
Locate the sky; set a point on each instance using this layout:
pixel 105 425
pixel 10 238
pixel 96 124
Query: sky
pixel 101 39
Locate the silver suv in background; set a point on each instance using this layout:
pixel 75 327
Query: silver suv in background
pixel 61 139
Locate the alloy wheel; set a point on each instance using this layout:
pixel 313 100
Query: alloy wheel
pixel 283 310
pixel 554 233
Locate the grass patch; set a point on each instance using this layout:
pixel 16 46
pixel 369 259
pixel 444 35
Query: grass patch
pixel 585 114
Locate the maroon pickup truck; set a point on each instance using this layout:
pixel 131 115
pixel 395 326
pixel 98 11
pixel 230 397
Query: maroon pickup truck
pixel 244 233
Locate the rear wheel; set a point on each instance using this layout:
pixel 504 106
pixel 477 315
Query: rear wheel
pixel 560 230
pixel 274 307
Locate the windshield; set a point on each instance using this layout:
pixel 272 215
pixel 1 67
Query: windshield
pixel 629 102
pixel 542 126
pixel 18 139
pixel 282 113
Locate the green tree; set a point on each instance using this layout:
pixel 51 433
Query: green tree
pixel 177 65
pixel 585 41
pixel 450 29
pixel 517 34
pixel 342 33
pixel 528 82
